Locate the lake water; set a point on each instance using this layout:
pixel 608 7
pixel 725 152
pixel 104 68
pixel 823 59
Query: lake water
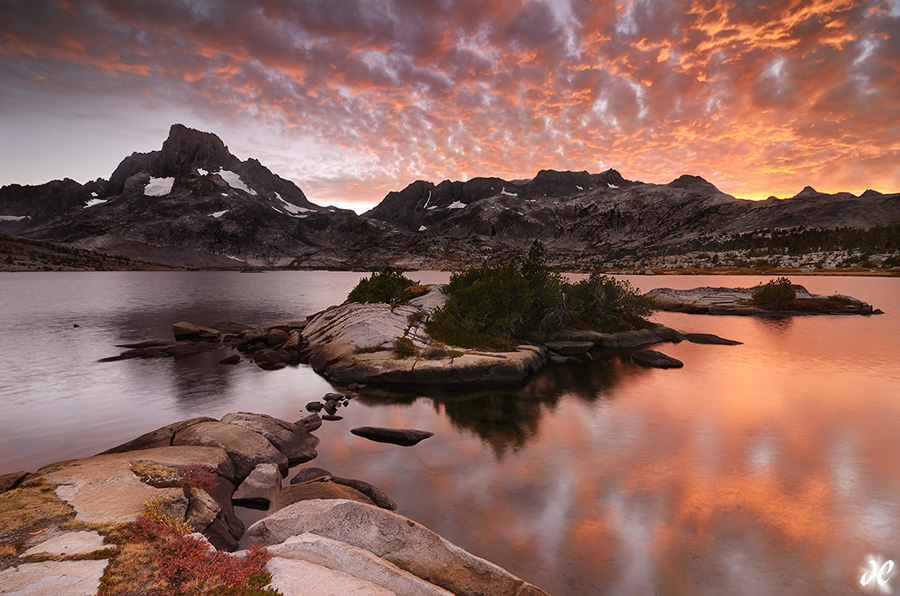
pixel 772 467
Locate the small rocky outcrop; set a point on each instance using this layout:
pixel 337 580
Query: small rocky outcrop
pixel 739 301
pixel 392 538
pixel 354 343
pixel 407 437
pixel 654 359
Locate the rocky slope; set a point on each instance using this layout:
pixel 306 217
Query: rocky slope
pixel 581 216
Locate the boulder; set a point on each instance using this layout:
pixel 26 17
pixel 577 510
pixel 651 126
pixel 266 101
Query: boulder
pixel 709 338
pixel 310 473
pixel 310 423
pixel 202 510
pixel 654 359
pixel 185 331
pixel 394 538
pixel 258 487
pixel 245 447
pixel 233 359
pixel 314 406
pixel 356 562
pixel 377 496
pixel 332 417
pixel 161 437
pixel 321 488
pixel 406 437
pixel 294 441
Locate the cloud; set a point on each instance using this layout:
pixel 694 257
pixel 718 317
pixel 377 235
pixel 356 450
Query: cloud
pixel 359 98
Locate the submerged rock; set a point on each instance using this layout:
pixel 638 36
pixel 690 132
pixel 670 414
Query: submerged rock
pixel 709 338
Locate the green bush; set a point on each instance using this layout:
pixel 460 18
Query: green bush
pixel 777 293
pixel 404 348
pixel 606 304
pixel 495 306
pixel 388 285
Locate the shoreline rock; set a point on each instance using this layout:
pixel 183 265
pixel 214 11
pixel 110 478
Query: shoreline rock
pixel 248 451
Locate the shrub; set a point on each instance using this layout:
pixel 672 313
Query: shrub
pixel 389 286
pixel 495 305
pixel 404 348
pixel 606 304
pixel 777 293
pixel 155 556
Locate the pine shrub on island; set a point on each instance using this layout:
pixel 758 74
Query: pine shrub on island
pixel 496 306
pixel 389 286
pixel 778 293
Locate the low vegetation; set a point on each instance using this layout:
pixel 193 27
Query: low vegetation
pixel 156 556
pixel 777 293
pixel 496 306
pixel 389 286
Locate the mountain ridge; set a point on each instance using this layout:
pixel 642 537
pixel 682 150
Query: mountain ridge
pixel 192 203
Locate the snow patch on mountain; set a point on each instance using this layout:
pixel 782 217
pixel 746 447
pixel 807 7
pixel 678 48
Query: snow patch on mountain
pixel 456 205
pixel 292 209
pixel 159 187
pixel 14 217
pixel 233 180
pixel 93 202
pixel 218 214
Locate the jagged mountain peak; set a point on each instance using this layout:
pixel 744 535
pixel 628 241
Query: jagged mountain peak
pixel 187 149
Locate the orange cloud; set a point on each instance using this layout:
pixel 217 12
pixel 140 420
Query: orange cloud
pixel 760 99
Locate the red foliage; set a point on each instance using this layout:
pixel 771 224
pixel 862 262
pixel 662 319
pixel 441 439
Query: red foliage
pixel 196 476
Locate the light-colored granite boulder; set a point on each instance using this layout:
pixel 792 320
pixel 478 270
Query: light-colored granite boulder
pixel 395 538
pixel 354 561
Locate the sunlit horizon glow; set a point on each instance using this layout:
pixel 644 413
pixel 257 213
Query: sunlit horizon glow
pixel 354 99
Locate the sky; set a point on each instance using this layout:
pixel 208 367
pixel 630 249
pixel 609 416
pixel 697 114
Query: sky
pixel 352 99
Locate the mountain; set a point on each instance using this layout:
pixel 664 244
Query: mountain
pixel 194 204
pixel 578 215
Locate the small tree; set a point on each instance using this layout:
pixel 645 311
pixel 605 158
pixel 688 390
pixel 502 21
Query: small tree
pixel 388 285
pixel 777 293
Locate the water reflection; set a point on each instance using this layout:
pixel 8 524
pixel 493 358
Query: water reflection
pixel 777 325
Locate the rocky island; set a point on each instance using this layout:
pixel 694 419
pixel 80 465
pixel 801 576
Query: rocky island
pixel 747 301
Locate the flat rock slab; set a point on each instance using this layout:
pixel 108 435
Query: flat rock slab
pixel 654 359
pixel 407 437
pixel 70 543
pixel 394 538
pixel 356 562
pixel 293 577
pixel 188 331
pixel 709 338
pixel 53 578
pixel 104 489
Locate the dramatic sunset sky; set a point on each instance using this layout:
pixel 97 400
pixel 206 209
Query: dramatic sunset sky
pixel 354 98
